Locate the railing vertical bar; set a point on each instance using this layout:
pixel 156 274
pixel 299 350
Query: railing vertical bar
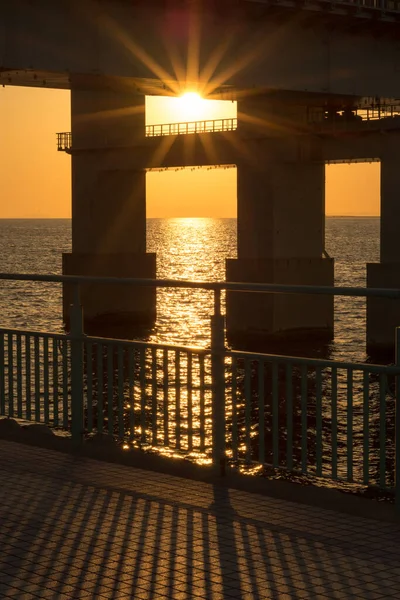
pixel 46 394
pixel 110 389
pixel 143 395
pixel 121 415
pixel 304 432
pixel 318 429
pixel 10 373
pixel 165 398
pixel 55 382
pixel 382 430
pixel 19 375
pixel 275 416
pixel 366 427
pixel 289 416
pixel 2 376
pixel 89 386
pixel 190 400
pixel 100 389
pixel 349 424
pixel 202 415
pixel 247 396
pixel 177 400
pixel 397 424
pixel 37 377
pixel 131 371
pixel 65 383
pixel 334 422
pixel 154 402
pixel 235 444
pixel 261 412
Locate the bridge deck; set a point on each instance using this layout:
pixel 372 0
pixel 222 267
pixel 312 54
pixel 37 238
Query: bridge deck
pixel 78 528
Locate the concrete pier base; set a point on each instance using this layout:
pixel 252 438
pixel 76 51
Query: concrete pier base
pixel 383 314
pixel 257 318
pixel 119 310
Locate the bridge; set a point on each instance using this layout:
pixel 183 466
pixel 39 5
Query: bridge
pixel 315 82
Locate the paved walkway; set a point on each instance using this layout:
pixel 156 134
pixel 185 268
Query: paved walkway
pixel 78 528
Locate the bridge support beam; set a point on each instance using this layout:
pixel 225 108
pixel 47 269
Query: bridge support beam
pixel 383 315
pixel 281 233
pixel 109 213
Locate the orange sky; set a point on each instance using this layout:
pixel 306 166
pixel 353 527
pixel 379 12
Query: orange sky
pixel 35 178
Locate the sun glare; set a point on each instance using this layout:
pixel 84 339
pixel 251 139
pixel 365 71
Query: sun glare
pixel 192 106
pixel 191 99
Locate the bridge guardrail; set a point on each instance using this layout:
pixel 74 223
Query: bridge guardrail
pixel 64 138
pixel 316 418
pixel 382 6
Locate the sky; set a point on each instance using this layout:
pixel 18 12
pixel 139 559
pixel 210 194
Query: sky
pixel 35 178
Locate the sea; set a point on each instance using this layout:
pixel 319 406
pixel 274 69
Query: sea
pixel 187 248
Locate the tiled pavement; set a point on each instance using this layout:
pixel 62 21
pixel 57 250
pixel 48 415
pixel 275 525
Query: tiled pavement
pixel 79 528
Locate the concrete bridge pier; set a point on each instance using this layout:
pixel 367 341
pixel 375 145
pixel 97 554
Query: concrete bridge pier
pixel 281 234
pixel 109 211
pixel 383 314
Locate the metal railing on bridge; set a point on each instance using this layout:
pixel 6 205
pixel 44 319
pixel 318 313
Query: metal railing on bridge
pixel 385 7
pixel 64 141
pixel 64 138
pixel 317 418
pixel 208 126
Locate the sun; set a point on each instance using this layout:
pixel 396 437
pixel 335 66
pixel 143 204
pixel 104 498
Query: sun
pixel 192 106
pixel 192 99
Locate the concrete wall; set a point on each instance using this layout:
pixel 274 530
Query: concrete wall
pixel 254 318
pixel 142 40
pixel 383 315
pixel 281 210
pixel 108 202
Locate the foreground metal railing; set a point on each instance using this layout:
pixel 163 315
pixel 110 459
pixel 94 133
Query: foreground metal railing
pixel 311 417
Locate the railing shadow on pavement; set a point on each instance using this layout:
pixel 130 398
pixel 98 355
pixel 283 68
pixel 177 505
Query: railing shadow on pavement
pixel 71 538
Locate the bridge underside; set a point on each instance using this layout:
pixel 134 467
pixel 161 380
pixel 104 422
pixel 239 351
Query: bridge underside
pixel 222 49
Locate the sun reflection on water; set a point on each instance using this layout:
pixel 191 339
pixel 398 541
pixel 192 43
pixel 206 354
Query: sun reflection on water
pixel 195 249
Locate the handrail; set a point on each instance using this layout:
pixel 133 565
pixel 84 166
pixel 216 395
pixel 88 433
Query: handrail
pixel 64 141
pixel 216 286
pixel 384 6
pixel 190 127
pixel 71 372
pixel 64 138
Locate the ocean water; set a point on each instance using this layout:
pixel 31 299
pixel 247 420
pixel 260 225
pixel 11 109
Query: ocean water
pixel 186 249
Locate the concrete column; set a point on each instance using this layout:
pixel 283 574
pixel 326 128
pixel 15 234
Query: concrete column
pixel 281 235
pixel 109 211
pixel 383 315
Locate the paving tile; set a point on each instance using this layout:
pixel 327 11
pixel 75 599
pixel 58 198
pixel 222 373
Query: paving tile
pixel 79 528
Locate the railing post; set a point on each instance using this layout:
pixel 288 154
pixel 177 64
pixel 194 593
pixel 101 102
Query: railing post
pixel 397 424
pixel 218 384
pixel 76 335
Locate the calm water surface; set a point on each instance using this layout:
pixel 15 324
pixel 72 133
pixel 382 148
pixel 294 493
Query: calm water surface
pixel 186 249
